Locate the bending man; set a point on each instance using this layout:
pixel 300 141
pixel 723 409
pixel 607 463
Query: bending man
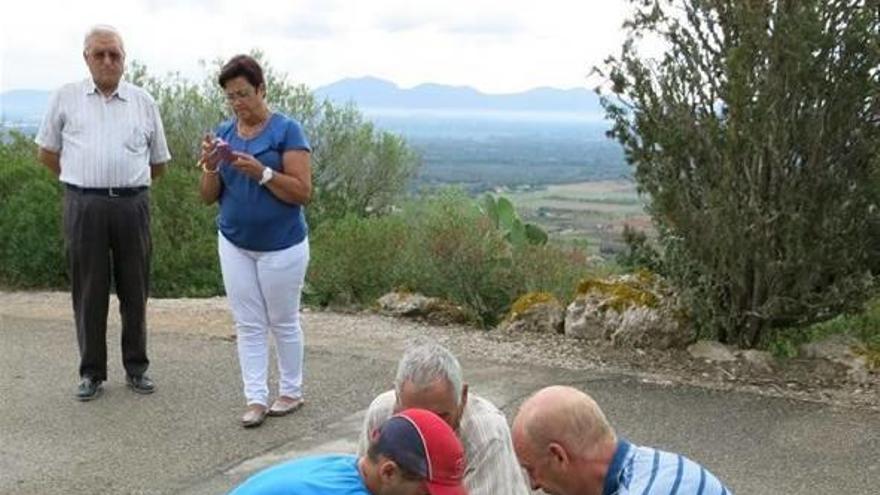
pixel 413 453
pixel 429 377
pixel 567 447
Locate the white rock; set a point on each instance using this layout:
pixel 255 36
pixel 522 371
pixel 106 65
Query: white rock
pixel 760 360
pixel 710 350
pixel 545 317
pixel 834 348
pixel 584 319
pixel 405 304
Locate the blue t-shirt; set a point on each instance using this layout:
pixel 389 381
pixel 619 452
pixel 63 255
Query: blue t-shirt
pixel 321 475
pixel 251 217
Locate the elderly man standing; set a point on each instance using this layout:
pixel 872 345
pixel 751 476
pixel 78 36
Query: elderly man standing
pixel 429 377
pixel 567 447
pixel 103 138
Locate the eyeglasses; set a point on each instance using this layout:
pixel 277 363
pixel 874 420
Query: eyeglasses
pixel 114 55
pixel 238 95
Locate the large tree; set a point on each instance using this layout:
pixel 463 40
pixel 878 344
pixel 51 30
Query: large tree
pixel 754 134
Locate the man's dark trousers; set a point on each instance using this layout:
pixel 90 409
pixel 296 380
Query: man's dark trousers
pixel 107 233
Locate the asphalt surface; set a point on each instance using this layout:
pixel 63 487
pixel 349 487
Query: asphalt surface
pixel 185 438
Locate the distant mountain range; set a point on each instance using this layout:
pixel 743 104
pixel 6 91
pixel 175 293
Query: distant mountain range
pixel 23 105
pixel 369 92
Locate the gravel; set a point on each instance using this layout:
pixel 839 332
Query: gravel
pixel 809 380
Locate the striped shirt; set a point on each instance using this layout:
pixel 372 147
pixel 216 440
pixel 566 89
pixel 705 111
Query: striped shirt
pixel 492 467
pixel 104 142
pixel 646 471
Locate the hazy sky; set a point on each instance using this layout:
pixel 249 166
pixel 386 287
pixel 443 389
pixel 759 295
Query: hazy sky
pixel 496 46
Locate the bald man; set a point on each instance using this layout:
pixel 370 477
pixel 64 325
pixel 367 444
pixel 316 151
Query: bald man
pixel 567 447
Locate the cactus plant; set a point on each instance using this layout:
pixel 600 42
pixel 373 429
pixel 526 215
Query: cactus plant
pixel 502 215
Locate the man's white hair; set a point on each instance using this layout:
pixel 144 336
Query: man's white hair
pixel 101 30
pixel 424 362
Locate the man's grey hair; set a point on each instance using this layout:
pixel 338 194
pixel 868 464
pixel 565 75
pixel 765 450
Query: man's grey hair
pixel 424 362
pixel 101 30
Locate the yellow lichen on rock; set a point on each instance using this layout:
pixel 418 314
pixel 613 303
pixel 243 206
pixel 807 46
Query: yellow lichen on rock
pixel 538 312
pixel 620 294
pixel 871 354
pixel 526 301
pixel 645 277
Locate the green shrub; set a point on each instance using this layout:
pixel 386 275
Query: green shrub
pixel 754 139
pixel 354 260
pixel 455 253
pixel 31 247
pixel 356 169
pixel 639 252
pixel 552 268
pixel 32 255
pixel 864 326
pixel 440 246
pixel 185 260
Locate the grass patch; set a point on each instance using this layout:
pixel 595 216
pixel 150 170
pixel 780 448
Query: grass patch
pixel 864 326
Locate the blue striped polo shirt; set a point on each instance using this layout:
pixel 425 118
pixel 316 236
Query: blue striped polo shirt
pixel 646 471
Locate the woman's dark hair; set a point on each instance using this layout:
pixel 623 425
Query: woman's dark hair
pixel 242 66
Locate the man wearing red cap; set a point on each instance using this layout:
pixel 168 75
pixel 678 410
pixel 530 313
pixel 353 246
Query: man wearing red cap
pixel 413 453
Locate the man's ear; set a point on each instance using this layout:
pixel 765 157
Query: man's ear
pixel 387 471
pixel 558 454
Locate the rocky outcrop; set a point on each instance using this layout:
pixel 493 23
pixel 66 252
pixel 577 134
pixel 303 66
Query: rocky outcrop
pixel 632 310
pixel 841 350
pixel 710 350
pixel 643 327
pixel 406 304
pixel 537 312
pixel 757 360
pixel 586 318
pixel 431 309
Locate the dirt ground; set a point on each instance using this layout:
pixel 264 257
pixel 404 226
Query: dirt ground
pixel 803 379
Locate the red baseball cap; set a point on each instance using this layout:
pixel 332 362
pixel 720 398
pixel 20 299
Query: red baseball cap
pixel 422 443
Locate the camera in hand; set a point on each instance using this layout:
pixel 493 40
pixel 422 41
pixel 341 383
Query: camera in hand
pixel 224 150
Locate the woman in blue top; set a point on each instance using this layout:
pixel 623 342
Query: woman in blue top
pixel 257 168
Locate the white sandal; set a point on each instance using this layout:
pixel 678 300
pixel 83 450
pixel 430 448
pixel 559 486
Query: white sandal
pixel 285 405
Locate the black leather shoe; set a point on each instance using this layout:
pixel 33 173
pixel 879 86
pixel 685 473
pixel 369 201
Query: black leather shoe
pixel 88 389
pixel 140 384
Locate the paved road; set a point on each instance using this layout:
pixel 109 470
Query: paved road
pixel 185 439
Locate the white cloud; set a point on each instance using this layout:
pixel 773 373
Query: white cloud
pixel 493 45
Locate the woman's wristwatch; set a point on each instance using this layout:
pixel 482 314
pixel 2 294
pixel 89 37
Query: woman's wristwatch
pixel 268 174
